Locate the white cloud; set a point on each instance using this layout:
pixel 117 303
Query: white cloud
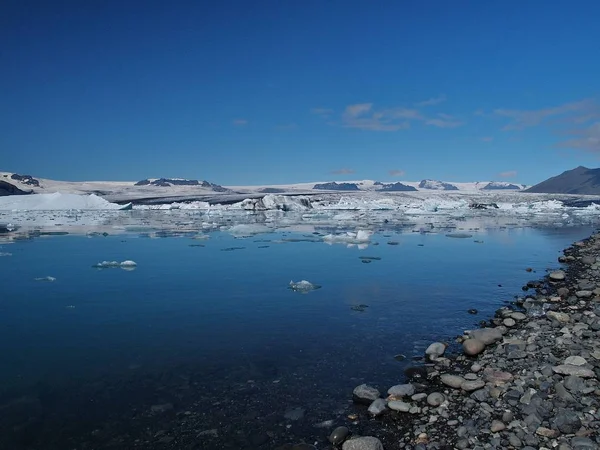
pixel 508 174
pixel 432 101
pixel 240 122
pixel 587 139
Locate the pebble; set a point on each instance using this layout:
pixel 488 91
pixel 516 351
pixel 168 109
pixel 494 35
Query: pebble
pixel 436 349
pixel 339 435
pixel 576 361
pixel 509 322
pixel 378 407
pixel 568 369
pixel 365 394
pixel 453 381
pixel 473 347
pixel 400 406
pixel 436 399
pixel 557 275
pixel 497 426
pixel 470 386
pixel 363 443
pixel 402 390
pixel 487 335
pixel 558 316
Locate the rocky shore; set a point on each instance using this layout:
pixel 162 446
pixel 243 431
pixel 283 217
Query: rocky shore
pixel 527 380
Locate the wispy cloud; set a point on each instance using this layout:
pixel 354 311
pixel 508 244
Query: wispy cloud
pixel 487 139
pixel 342 171
pixel 587 139
pixel 432 101
pixel 396 173
pixel 365 117
pixel 240 122
pixel 508 174
pixel 444 121
pixel 362 116
pixel 521 119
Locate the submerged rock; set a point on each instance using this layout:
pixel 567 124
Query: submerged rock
pixel 339 435
pixel 365 394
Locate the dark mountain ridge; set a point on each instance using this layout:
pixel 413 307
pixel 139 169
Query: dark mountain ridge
pixel 581 181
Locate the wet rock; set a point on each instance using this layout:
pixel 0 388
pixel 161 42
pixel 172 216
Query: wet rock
pixel 574 383
pixel 487 335
pixel 158 409
pixel 365 394
pixel 435 350
pixel 546 432
pixel 436 399
pixel 453 381
pixel 557 275
pixel 294 414
pixel 518 316
pixel 363 443
pixel 401 390
pixel 473 347
pixel 509 322
pixel 584 294
pixel 339 435
pixel 400 406
pixel 378 407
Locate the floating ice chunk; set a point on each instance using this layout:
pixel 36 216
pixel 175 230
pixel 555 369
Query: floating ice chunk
pixel 358 237
pixel 58 201
pixel 126 265
pixel 303 286
pixel 49 279
pixel 5 254
pixel 201 237
pixel 459 235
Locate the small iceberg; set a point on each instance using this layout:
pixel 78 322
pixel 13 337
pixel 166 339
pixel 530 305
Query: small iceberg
pixel 125 265
pixel 303 286
pixel 48 279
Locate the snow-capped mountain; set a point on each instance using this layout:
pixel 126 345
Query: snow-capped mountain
pixel 437 185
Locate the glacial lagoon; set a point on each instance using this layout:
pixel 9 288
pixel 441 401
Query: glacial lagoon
pixel 202 344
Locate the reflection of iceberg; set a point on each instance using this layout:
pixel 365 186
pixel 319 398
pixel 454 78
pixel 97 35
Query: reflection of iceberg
pixel 243 230
pixel 303 286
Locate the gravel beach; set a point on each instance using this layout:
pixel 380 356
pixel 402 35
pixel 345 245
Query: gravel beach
pixel 527 380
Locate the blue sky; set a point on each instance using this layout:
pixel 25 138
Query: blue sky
pixel 240 92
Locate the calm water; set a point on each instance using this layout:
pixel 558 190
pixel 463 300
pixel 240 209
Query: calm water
pixel 196 324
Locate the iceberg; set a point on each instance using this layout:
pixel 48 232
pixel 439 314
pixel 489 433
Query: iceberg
pixel 303 286
pixel 126 265
pixel 58 201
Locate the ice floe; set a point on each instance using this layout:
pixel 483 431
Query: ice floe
pixel 303 286
pixel 57 201
pixel 126 265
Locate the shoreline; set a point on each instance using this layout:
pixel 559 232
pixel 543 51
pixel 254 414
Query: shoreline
pixel 531 381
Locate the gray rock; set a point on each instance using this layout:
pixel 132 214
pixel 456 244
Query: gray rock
pixel 436 349
pixel 453 381
pixel 378 407
pixel 584 294
pixel 583 443
pixel 472 385
pixel 518 316
pixel 558 275
pixel 402 390
pixel 487 335
pixel 419 397
pixel 496 377
pixel 566 421
pixel 481 395
pixel 514 440
pixel 497 426
pixel 363 443
pixel 509 322
pixel 576 361
pixel 399 406
pixel 563 394
pixel 568 369
pixel 339 435
pixel 473 347
pixel 574 383
pixel 365 394
pixel 558 316
pixel 436 399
